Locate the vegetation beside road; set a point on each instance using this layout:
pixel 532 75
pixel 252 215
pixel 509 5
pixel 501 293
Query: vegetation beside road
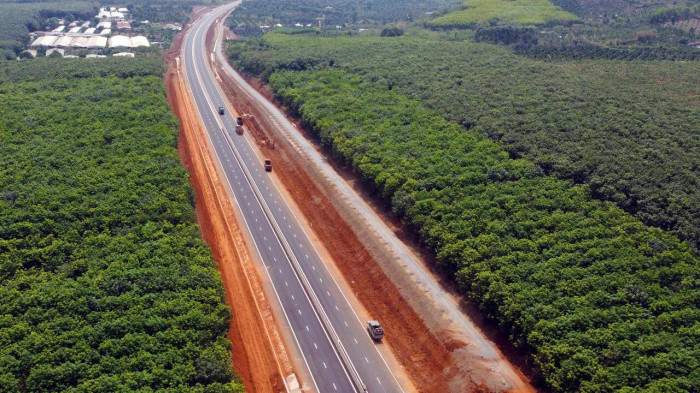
pixel 592 293
pixel 628 129
pixel 45 69
pixel 105 283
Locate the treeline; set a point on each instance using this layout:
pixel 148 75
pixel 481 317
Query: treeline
pixel 105 283
pixel 166 10
pixel 674 14
pixel 507 35
pixel 602 302
pixel 526 41
pixel 579 50
pixel 43 69
pixel 628 129
pixel 250 15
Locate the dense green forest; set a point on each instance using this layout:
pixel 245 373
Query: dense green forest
pixel 577 51
pixel 13 71
pixel 252 14
pixel 674 14
pixel 629 129
pixel 105 283
pixel 602 302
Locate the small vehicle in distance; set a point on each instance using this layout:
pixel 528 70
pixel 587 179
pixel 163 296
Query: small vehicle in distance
pixel 221 110
pixel 239 129
pixel 239 120
pixel 268 166
pixel 375 330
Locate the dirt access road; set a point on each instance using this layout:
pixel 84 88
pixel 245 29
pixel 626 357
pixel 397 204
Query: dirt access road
pixel 439 346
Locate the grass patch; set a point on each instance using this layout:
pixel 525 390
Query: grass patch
pixel 517 11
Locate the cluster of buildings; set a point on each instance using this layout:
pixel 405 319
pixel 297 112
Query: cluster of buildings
pixel 112 13
pixel 85 37
pixel 92 42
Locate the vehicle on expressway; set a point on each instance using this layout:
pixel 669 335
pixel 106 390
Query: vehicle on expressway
pixel 375 330
pixel 239 129
pixel 221 110
pixel 268 166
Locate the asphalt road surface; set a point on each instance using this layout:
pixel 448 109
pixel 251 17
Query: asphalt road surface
pixel 339 354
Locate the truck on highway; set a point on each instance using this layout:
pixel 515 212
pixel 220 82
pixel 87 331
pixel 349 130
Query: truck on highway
pixel 375 330
pixel 221 110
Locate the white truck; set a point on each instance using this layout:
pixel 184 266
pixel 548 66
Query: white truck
pixel 375 330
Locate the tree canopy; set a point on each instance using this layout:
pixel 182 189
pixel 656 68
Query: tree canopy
pixel 105 283
pixel 602 302
pixel 628 129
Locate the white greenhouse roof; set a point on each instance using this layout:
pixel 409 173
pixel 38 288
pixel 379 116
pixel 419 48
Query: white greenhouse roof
pixel 79 42
pixel 106 32
pixel 120 41
pixel 63 42
pixel 97 42
pixel 46 40
pixel 139 40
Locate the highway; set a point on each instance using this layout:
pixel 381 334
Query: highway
pixel 338 353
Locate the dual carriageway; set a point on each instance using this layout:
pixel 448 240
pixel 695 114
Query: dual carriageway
pixel 336 349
